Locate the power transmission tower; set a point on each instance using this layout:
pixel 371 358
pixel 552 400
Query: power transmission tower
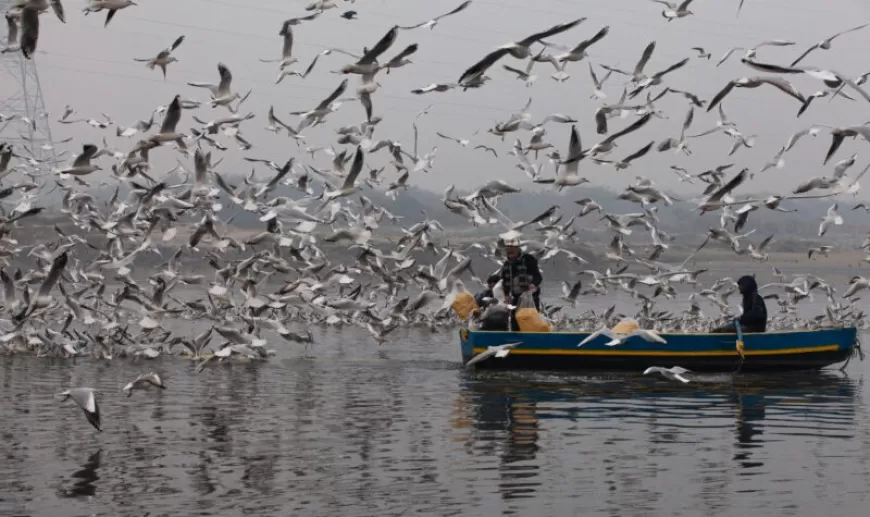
pixel 23 117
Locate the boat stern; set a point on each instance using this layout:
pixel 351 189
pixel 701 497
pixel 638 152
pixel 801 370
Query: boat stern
pixel 465 338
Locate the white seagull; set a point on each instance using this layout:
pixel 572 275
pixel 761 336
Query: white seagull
pixel 675 373
pixel 500 351
pixel 618 339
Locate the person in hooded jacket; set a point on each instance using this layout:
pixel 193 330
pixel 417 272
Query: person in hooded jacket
pixel 754 317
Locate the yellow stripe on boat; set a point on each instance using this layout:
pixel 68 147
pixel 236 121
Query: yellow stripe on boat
pixel 656 353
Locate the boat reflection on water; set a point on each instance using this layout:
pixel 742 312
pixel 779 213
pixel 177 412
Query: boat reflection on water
pixel 506 414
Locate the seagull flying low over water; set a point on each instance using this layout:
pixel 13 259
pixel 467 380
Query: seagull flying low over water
pixel 675 373
pixel 87 400
pixel 619 339
pixel 144 381
pixel 500 351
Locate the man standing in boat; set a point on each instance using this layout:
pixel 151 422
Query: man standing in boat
pixel 520 272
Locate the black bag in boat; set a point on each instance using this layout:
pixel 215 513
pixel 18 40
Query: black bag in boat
pixel 495 318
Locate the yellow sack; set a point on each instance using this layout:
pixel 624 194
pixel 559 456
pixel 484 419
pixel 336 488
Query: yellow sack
pixel 626 326
pixel 463 305
pixel 530 321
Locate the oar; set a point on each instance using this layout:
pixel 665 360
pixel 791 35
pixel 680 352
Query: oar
pixel 739 344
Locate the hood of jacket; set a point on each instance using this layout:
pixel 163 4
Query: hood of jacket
pixel 747 285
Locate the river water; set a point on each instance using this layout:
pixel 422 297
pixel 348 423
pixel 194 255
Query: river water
pixel 347 428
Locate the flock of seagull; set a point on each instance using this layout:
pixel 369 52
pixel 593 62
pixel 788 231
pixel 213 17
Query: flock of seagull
pixel 84 296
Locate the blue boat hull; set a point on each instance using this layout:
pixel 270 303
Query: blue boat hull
pixel 772 351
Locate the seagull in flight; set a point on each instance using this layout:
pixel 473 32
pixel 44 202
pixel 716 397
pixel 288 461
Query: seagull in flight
pixel 163 58
pixel 518 49
pixel 430 24
pixel 825 44
pixel 86 399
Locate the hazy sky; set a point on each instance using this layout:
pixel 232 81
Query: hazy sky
pixel 92 69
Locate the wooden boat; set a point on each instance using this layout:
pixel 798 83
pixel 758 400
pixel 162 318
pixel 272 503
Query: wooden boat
pixel 770 351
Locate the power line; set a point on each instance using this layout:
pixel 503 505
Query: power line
pixel 281 96
pixel 609 7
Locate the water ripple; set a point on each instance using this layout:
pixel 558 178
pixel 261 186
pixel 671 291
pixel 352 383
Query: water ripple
pixel 414 434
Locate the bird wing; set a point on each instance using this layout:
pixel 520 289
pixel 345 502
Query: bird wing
pixel 57 7
pixel 728 54
pixel 442 135
pixel 381 46
pixel 29 31
pixel 53 274
pixel 520 73
pixel 334 95
pixel 355 169
pixel 226 80
pixel 837 138
pixel 176 43
pixel 481 66
pixel 583 45
pixel 601 121
pixel 600 332
pixel 461 7
pixel 785 87
pixel 410 49
pixel 804 54
pixel 172 116
pixel 594 77
pixel 12 30
pixel 647 53
pixel 280 175
pixel 613 69
pixel 575 290
pixel 735 182
pixel 88 152
pixel 637 124
pixel 287 49
pixel 8 288
pixel 673 67
pixel 552 31
pixel 639 153
pixel 721 95
pixel 648 335
pixel 275 120
pixel 690 116
pixel 310 67
pixel 575 148
pixel 847 31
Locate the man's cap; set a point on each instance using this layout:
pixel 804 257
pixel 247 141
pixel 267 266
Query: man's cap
pixel 511 238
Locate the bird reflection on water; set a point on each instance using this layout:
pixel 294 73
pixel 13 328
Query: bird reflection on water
pixel 367 436
pixel 85 478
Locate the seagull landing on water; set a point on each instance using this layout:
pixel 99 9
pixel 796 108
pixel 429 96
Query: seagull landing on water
pixel 500 351
pixel 675 373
